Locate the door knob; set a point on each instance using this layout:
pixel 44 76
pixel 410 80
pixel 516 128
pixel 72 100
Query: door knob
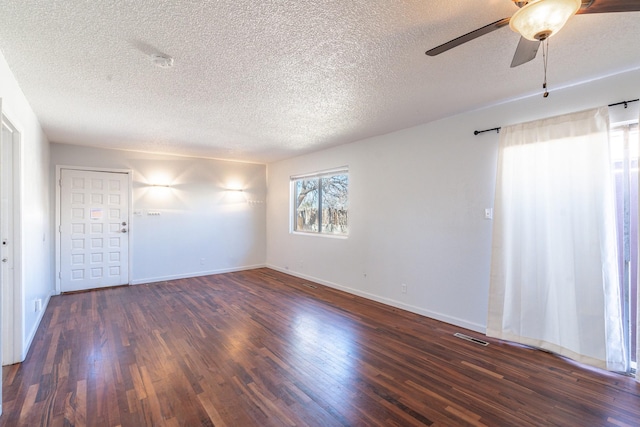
pixel 124 230
pixel 4 260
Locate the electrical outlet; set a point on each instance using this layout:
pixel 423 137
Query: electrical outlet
pixel 201 261
pixel 404 288
pixel 488 213
pixel 38 305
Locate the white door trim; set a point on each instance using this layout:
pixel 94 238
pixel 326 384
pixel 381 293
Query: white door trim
pixel 14 331
pixel 59 169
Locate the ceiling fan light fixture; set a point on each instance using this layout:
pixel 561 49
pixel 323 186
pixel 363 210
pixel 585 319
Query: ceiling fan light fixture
pixel 540 19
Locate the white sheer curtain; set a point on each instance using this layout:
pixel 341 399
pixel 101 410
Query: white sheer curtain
pixel 554 277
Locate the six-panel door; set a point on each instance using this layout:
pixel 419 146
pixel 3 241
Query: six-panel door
pixel 94 238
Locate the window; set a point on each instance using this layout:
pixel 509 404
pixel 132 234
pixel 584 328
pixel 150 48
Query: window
pixel 321 202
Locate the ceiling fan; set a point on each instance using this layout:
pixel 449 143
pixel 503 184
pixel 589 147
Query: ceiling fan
pixel 537 20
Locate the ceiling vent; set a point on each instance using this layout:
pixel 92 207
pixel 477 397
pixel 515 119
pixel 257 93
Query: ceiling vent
pixel 162 61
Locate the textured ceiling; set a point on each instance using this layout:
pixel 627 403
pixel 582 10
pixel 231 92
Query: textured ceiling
pixel 266 80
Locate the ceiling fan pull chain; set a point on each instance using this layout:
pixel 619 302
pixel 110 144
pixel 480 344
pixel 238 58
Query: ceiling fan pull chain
pixel 545 58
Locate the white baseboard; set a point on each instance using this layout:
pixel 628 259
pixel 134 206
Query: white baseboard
pixel 32 334
pixel 387 301
pixel 195 274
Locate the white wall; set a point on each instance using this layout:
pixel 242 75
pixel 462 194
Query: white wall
pixel 36 268
pixel 202 228
pixel 416 213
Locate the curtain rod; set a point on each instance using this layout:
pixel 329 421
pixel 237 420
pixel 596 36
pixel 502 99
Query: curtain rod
pixel 625 103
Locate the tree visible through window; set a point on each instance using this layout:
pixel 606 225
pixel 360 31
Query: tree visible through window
pixel 321 203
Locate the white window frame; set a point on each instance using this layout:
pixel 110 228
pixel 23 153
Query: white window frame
pixel 343 170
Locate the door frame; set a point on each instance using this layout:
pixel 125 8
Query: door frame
pixel 58 228
pixel 13 310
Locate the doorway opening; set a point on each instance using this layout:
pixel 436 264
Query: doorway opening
pixel 624 156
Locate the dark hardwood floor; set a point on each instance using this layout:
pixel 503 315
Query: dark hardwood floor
pixel 260 348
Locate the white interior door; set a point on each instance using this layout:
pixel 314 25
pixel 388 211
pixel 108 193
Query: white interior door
pixel 94 229
pixel 9 242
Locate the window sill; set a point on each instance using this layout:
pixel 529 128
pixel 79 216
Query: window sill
pixel 312 234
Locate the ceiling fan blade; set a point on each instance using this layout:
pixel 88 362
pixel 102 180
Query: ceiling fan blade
pixel 468 37
pixel 608 6
pixel 525 52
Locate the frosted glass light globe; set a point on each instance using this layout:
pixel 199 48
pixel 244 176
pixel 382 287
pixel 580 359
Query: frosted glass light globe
pixel 540 19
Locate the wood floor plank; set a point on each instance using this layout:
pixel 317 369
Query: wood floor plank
pixel 261 348
pixel 80 410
